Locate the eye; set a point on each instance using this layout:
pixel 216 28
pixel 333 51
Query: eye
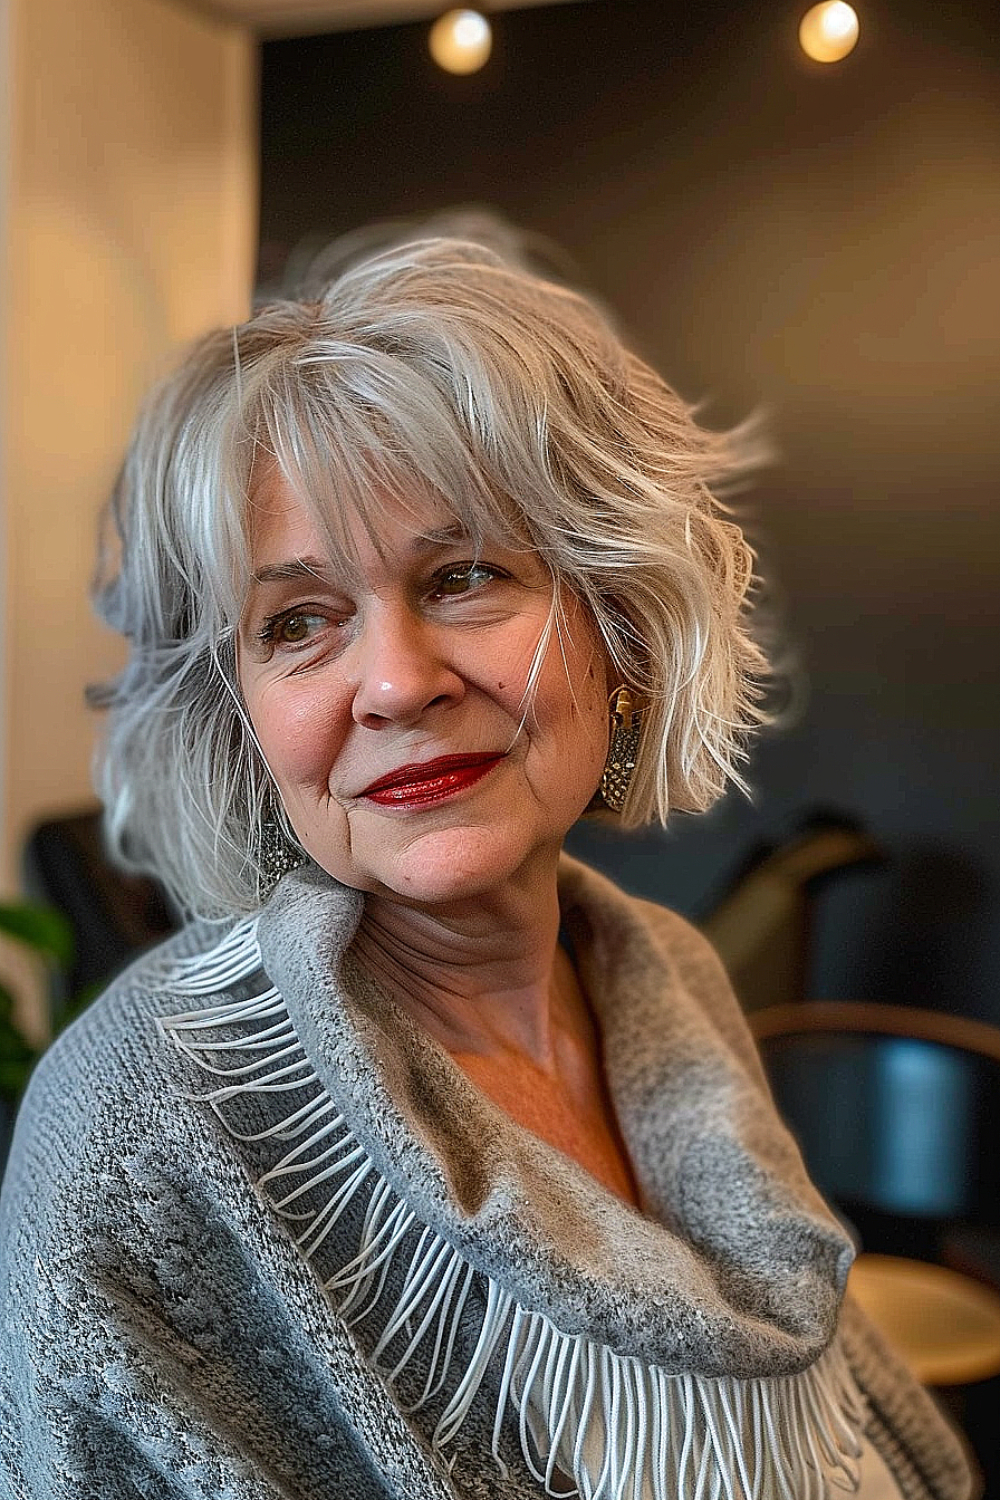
pixel 291 629
pixel 463 578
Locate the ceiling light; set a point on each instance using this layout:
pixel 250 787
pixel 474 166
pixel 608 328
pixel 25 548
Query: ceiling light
pixel 829 31
pixel 460 41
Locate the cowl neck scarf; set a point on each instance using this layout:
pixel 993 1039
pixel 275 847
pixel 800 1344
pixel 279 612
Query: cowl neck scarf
pixel 686 1349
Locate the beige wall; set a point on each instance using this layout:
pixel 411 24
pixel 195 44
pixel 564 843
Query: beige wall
pixel 130 226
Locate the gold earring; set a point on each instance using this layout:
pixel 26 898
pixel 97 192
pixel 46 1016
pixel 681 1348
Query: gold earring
pixel 626 726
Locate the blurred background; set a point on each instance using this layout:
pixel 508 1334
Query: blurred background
pixel 819 240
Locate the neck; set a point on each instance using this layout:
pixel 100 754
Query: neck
pixel 485 976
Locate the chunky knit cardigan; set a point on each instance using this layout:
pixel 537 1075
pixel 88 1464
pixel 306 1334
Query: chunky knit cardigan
pixel 262 1238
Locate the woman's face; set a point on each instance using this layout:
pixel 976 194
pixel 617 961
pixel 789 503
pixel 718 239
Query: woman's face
pixel 391 705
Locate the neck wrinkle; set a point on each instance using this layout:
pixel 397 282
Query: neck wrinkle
pixel 489 988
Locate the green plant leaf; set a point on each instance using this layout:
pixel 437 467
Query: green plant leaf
pixel 17 1056
pixel 14 1074
pixel 41 928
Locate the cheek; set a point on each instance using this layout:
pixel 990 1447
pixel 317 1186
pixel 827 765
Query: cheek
pixel 300 734
pixel 595 722
pixel 578 693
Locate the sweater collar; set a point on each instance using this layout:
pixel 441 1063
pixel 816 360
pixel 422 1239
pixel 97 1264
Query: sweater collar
pixel 735 1269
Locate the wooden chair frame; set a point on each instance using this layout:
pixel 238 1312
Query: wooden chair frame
pixel 826 1017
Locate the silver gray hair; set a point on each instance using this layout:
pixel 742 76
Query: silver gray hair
pixel 437 367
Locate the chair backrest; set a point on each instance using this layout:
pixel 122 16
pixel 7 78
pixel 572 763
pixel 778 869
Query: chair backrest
pixel 761 928
pixel 113 915
pixel 895 1109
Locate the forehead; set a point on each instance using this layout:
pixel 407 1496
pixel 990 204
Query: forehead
pixel 283 525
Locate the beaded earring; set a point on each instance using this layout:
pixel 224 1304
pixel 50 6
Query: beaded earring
pixel 276 857
pixel 626 726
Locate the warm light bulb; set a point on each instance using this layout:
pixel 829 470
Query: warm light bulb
pixel 828 31
pixel 460 41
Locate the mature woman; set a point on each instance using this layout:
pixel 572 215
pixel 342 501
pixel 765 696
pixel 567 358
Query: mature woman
pixel 425 1162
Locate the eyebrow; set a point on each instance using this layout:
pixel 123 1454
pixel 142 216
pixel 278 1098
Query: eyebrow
pixel 296 567
pixel 314 567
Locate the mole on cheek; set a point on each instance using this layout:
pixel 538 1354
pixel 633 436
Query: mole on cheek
pixel 500 687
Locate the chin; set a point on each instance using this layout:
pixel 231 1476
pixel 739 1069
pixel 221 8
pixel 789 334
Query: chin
pixel 458 865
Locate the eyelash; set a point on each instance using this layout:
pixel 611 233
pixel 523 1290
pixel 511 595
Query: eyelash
pixel 465 570
pixel 268 632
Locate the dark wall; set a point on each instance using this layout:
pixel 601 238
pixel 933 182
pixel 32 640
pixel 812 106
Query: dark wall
pixel 822 241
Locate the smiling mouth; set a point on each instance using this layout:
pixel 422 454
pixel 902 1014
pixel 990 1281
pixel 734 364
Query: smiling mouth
pixel 415 786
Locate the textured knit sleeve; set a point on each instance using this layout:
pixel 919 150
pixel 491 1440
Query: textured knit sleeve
pixel 100 1393
pixel 158 1337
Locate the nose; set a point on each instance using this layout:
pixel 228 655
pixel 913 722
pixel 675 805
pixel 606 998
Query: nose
pixel 402 670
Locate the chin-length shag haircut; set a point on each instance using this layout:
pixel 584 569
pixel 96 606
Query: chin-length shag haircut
pixel 435 368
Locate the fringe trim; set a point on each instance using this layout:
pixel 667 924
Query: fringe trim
pixel 609 1425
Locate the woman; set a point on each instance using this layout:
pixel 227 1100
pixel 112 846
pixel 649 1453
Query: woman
pixel 425 1162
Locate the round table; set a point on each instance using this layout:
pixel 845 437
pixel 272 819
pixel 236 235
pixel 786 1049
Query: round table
pixel 944 1325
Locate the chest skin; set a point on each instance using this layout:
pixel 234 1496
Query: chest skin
pixel 565 1100
pixel 586 1133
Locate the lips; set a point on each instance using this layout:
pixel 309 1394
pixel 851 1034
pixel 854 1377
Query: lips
pixel 431 780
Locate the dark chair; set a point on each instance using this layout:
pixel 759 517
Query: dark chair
pixel 897 1111
pixel 114 916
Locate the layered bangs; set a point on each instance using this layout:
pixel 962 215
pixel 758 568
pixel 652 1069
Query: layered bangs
pixel 361 435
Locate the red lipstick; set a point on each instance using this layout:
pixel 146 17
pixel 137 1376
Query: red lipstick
pixel 431 781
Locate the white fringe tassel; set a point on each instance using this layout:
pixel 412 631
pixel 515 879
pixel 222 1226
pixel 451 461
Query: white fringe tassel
pixel 591 1422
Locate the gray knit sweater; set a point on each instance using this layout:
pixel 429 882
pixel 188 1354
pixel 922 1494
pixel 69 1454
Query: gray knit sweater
pixel 262 1238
